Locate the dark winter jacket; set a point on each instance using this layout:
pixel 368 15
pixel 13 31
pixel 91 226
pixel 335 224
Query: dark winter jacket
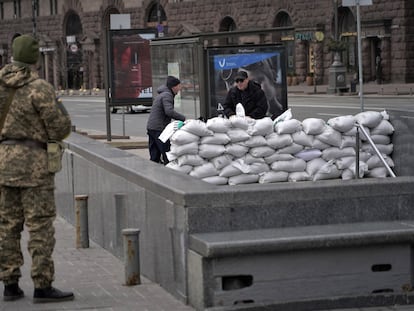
pixel 162 110
pixel 252 98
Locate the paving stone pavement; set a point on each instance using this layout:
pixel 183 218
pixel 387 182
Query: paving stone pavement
pixel 95 276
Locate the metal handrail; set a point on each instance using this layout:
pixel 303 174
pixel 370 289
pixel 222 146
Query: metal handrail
pixel 360 126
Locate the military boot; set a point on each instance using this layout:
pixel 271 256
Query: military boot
pixel 51 294
pixel 12 292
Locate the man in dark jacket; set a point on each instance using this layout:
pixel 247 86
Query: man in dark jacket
pixel 249 94
pixel 33 119
pixel 162 111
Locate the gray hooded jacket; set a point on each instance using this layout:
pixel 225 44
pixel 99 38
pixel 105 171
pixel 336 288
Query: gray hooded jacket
pixel 162 110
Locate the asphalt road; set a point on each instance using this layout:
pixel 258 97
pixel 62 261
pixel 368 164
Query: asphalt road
pixel 89 113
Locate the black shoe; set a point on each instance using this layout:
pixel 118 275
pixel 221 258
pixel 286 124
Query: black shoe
pixel 12 292
pixel 51 294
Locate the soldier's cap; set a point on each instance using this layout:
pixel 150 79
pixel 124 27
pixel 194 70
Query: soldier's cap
pixel 25 49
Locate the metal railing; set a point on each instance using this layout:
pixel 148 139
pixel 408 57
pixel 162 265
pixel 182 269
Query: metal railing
pixel 361 127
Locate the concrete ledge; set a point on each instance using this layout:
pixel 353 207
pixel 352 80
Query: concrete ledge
pixel 221 244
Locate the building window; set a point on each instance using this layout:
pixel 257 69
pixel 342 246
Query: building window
pixel 1 10
pixel 53 7
pixel 17 8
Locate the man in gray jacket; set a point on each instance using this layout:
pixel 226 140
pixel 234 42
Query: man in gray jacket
pixel 162 111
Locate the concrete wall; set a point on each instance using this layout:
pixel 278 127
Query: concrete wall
pixel 126 191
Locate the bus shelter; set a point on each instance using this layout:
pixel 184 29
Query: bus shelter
pixel 206 64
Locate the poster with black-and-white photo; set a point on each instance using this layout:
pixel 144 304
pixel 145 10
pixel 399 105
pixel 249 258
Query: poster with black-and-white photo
pixel 265 64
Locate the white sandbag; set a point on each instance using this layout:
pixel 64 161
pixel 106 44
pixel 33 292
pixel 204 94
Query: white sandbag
pixel 363 168
pixel 313 126
pixel 178 150
pixel 381 139
pixel 216 139
pixel 288 126
pixel 342 123
pixel 243 179
pixel 332 153
pixel 375 161
pixel 292 149
pixel 330 136
pixel 353 132
pixel 385 115
pixel 369 118
pixel 181 168
pixel 255 141
pixel 313 166
pixel 378 172
pixel 249 159
pixel 327 171
pixel 230 170
pixel 239 122
pixel 287 115
pixel 196 127
pixel 222 161
pixel 171 156
pixel 190 159
pixel 301 138
pixel 272 177
pixel 209 151
pixel 216 180
pixel 345 162
pixel 308 154
pixel 348 141
pixel 317 144
pixel 364 156
pixel 383 149
pixel 294 165
pixel 254 168
pixel 240 110
pixel 298 176
pixel 262 151
pixel 278 141
pixel 278 157
pixel 204 170
pixel 182 137
pixel 236 150
pixel 347 174
pixel 218 124
pixel 384 128
pixel 237 135
pixel 261 127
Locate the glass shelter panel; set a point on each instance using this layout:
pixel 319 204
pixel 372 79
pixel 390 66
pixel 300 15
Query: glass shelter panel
pixel 181 61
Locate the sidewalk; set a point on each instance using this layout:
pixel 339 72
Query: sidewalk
pixel 369 89
pixel 95 276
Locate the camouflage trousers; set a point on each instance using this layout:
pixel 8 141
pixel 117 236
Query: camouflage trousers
pixel 34 207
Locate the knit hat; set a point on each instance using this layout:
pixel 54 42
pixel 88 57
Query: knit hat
pixel 172 81
pixel 25 49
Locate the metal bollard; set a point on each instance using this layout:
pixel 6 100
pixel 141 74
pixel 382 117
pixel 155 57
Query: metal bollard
pixel 81 215
pixel 131 256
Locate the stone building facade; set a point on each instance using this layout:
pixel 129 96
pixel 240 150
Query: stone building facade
pixel 73 33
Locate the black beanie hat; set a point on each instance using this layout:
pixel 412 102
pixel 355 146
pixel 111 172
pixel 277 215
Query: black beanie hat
pixel 172 81
pixel 25 49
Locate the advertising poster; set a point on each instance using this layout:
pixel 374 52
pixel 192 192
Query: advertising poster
pixel 263 64
pixel 131 77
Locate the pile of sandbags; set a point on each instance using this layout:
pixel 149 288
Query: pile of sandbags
pixel 241 150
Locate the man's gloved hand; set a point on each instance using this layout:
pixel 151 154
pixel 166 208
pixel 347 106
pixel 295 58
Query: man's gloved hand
pixel 180 124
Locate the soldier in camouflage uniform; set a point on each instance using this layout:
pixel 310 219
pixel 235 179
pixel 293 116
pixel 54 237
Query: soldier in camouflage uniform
pixel 34 118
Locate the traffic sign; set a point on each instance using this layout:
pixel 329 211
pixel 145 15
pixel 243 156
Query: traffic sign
pixel 356 2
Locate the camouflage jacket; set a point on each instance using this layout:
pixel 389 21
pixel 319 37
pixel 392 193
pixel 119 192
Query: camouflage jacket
pixel 34 114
